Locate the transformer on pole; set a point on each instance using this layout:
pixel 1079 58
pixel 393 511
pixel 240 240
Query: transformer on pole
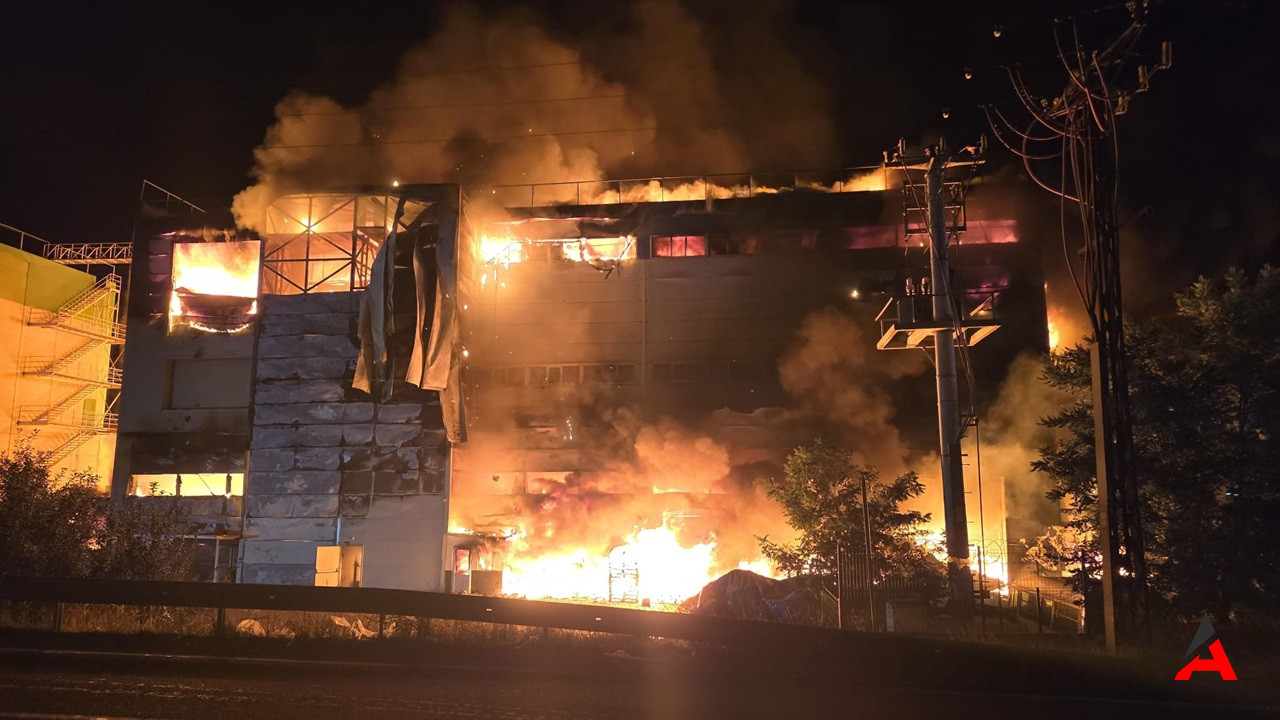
pixel 930 314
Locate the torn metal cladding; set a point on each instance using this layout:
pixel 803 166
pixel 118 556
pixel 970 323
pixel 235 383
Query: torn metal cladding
pixel 278 403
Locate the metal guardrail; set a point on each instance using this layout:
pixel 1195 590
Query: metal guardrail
pixel 373 601
pixel 23 240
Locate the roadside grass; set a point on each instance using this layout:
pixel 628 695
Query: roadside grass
pixel 327 635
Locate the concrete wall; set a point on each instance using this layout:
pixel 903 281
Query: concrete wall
pixel 157 434
pixel 327 465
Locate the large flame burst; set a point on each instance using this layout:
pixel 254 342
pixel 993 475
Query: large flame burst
pixel 221 271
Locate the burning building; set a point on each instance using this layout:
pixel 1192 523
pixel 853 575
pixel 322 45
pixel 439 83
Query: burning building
pixel 247 396
pixel 639 354
pixel 564 390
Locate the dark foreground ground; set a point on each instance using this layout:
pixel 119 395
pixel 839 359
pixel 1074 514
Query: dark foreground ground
pixel 859 677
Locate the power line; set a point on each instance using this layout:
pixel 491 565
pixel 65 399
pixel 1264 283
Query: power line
pixel 456 138
pixel 441 106
pixel 517 136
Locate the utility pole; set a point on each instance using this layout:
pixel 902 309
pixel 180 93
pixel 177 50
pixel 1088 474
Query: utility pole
pixel 940 215
pixel 1082 119
pixel 959 579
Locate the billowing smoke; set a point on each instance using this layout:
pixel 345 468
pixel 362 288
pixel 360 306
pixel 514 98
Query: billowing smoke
pixel 834 372
pixel 678 460
pixel 1011 436
pixel 665 477
pixel 504 99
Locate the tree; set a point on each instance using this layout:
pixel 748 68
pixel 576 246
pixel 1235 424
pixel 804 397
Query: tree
pixel 56 525
pixel 821 495
pixel 1205 400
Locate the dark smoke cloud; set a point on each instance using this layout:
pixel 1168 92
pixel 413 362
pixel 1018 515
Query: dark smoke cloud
pixel 495 99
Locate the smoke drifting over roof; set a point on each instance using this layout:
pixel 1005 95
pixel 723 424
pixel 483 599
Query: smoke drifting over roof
pixel 498 99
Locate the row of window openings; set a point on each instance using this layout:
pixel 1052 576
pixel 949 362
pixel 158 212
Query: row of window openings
pixel 622 373
pixel 226 485
pixel 721 244
pixel 850 238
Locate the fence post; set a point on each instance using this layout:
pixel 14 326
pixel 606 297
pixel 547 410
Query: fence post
pixel 1039 625
pixel 382 625
pixel 57 617
pixel 839 587
pixel 220 623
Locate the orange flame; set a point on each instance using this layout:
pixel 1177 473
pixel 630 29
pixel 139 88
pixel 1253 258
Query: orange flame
pixel 651 564
pixel 227 269
pixel 217 268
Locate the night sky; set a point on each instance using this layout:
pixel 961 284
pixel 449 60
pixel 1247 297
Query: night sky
pixel 95 100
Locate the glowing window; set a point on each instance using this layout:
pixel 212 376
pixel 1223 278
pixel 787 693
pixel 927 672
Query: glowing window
pixel 189 485
pixel 215 286
pixel 680 246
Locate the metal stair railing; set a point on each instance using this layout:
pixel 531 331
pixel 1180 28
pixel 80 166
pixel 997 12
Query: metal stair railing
pixel 73 443
pixel 89 427
pixel 41 415
pixel 38 415
pixel 108 284
pixel 70 315
pixel 53 369
pixel 105 330
pixel 43 365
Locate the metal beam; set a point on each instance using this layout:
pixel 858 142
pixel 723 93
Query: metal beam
pixel 90 253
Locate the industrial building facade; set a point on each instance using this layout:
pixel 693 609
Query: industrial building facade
pixel 238 398
pixel 264 378
pixel 56 371
pixel 595 330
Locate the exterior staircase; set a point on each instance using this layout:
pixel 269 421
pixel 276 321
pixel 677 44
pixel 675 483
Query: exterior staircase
pixel 76 316
pixel 56 367
pixel 99 425
pixel 91 315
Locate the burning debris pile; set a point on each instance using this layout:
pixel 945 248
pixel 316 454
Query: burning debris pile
pixel 746 595
pixel 664 514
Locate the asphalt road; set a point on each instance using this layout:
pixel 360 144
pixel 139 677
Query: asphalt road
pixel 39 685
